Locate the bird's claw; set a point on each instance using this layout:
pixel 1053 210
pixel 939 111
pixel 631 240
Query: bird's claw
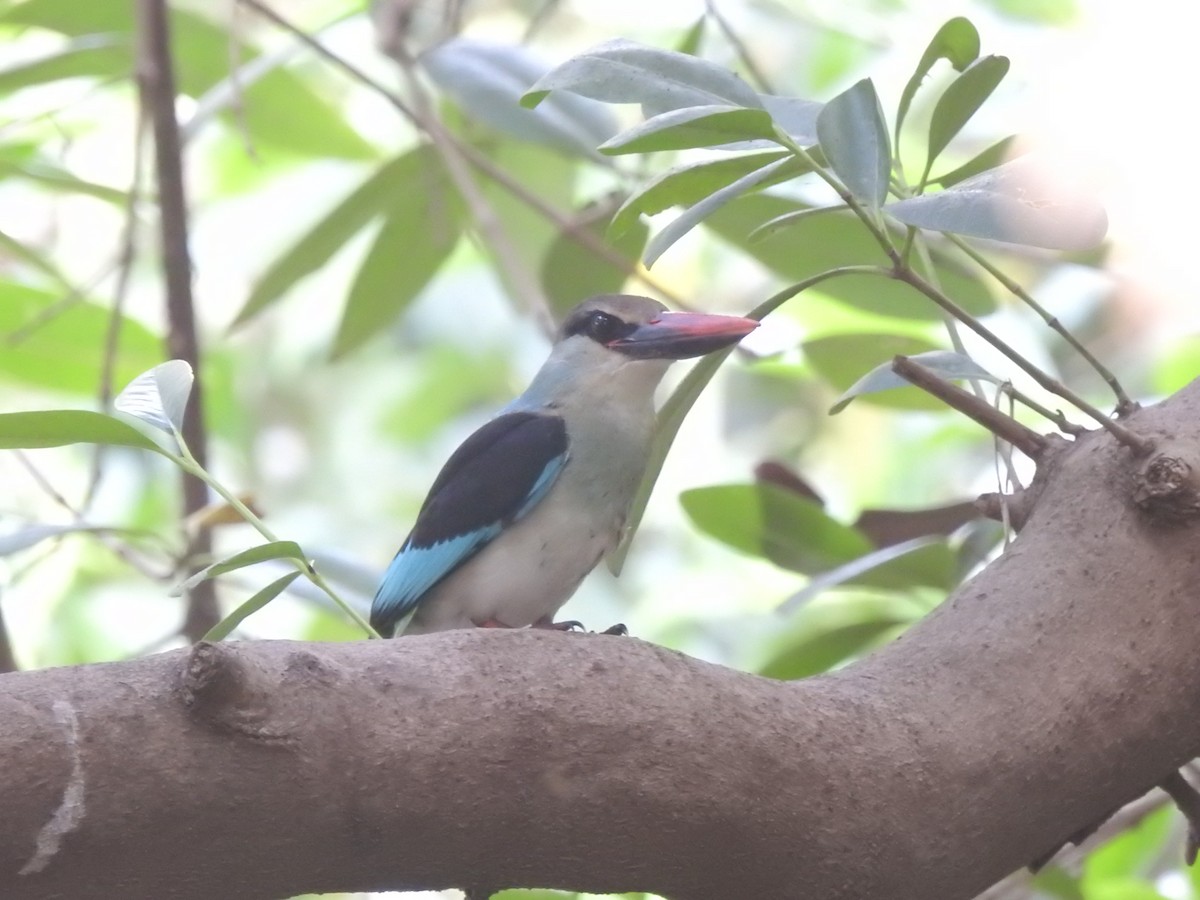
pixel 619 628
pixel 568 625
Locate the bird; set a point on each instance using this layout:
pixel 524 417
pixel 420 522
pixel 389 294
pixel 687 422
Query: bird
pixel 537 496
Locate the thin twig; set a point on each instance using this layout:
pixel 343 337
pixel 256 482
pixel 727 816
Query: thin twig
pixel 540 17
pixel 1140 445
pixel 121 549
pixel 126 254
pixel 739 47
pixel 156 81
pixel 1024 439
pixel 1056 416
pixel 564 223
pixel 505 251
pixel 930 273
pixel 1124 404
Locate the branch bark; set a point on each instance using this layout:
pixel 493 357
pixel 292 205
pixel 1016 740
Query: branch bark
pixel 1057 685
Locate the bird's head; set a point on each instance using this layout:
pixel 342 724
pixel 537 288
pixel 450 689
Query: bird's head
pixel 619 346
pixel 638 328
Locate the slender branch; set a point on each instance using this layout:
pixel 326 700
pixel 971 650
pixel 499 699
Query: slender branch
pixel 504 250
pixel 739 47
pixel 1056 416
pixel 188 463
pixel 126 254
pixel 918 242
pixel 1138 444
pixel 156 81
pixel 1024 439
pixel 1124 404
pixel 480 161
pixel 122 550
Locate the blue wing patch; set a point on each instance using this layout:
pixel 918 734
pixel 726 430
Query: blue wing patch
pixel 496 477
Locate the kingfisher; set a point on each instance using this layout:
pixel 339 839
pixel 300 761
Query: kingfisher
pixel 537 496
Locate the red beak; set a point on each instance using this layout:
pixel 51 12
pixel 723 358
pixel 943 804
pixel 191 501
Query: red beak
pixel 681 335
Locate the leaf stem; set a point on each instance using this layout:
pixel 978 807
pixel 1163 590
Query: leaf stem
pixel 1140 445
pixel 671 416
pixel 1124 404
pixel 188 463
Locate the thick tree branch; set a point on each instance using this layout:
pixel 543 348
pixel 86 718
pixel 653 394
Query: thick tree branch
pixel 1057 685
pixel 156 83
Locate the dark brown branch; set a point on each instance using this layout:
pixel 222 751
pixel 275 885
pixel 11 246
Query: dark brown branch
pixel 156 82
pixel 1004 427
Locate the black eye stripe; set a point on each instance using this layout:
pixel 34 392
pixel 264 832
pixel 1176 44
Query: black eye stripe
pixel 601 327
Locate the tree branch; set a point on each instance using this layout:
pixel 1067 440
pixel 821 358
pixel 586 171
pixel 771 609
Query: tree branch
pixel 156 83
pixel 1004 427
pixel 1015 715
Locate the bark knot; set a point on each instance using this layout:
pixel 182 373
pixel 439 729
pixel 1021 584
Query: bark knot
pixel 1166 486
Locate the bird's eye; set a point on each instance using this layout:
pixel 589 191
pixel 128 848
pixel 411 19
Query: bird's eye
pixel 603 328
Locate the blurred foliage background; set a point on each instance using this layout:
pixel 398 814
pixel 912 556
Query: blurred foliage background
pixel 361 312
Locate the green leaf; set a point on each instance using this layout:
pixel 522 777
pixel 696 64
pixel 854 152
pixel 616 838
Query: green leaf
pixel 388 186
pixel 957 42
pixel 222 629
pixel 1056 882
pixel 1042 12
pixel 60 427
pixel 417 236
pixel 97 56
pixel 935 566
pixel 622 71
pixel 159 397
pixel 997 154
pixel 62 347
pixel 14 163
pixel 253 556
pixel 277 106
pixel 1131 854
pixel 962 100
pixel 687 184
pixel 696 126
pixel 788 220
pixel 834 628
pixel 32 535
pixel 854 138
pixel 486 80
pixel 765 520
pixel 694 215
pixel 817 244
pixel 795 116
pixel 692 38
pixel 572 272
pixel 540 172
pixel 670 417
pixel 16 250
pixel 1014 203
pixel 947 364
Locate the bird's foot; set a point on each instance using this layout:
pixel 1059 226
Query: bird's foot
pixel 619 628
pixel 490 623
pixel 548 623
